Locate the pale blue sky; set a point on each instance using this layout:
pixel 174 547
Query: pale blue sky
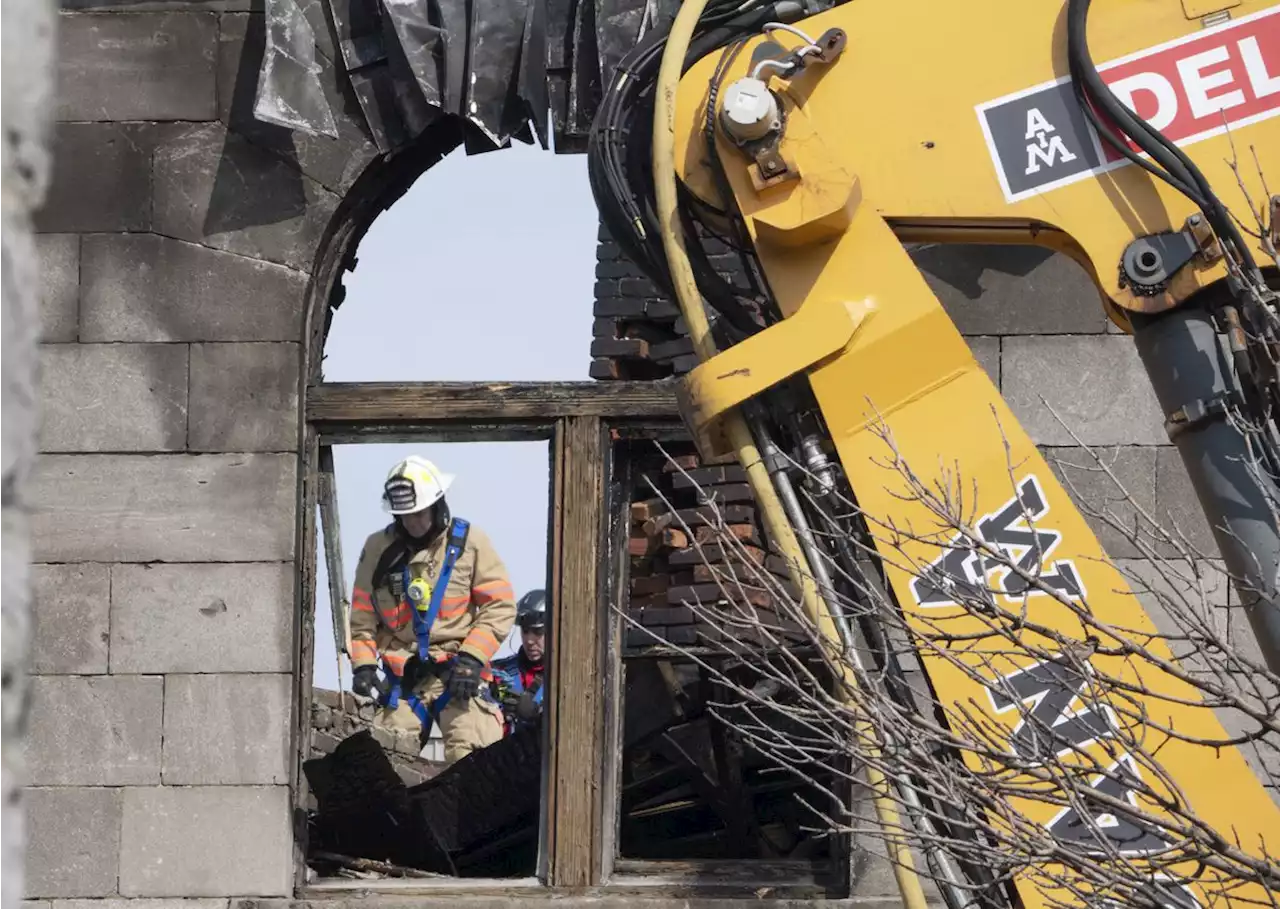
pixel 484 270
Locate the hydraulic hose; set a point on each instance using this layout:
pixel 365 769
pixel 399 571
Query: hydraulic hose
pixel 738 433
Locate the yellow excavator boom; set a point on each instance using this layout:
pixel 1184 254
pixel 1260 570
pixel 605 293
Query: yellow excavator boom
pixel 958 122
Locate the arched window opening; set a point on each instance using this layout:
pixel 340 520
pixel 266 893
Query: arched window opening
pixel 466 318
pixel 482 271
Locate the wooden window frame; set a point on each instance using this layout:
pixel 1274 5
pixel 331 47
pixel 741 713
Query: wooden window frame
pixel 578 419
pixel 586 424
pixel 656 877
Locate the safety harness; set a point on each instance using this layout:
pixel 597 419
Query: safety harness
pixel 423 620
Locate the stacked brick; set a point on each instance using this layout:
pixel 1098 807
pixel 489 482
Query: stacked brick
pixel 638 333
pixel 690 586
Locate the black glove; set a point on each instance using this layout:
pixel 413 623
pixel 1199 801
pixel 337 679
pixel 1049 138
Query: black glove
pixel 464 679
pixel 414 671
pixel 365 682
pixel 526 708
pixel 508 698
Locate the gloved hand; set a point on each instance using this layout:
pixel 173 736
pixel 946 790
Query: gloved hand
pixel 508 698
pixel 527 708
pixel 412 673
pixel 365 682
pixel 464 679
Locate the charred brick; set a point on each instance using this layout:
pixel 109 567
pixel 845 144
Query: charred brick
pixel 605 369
pixel 710 476
pixel 734 492
pixel 669 350
pixel 623 348
pixel 618 307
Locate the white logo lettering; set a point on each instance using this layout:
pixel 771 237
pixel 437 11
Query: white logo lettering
pixel 1157 85
pixel 1189 89
pixel 1037 124
pixel 1198 84
pixel 1041 147
pixel 1262 82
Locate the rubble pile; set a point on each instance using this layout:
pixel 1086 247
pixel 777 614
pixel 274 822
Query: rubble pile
pixel 477 818
pixel 336 716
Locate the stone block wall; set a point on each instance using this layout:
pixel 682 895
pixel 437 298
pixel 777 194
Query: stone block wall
pixel 176 245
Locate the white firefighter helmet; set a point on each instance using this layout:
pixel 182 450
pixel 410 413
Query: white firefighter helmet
pixel 413 485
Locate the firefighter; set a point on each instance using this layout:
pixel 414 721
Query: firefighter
pixel 519 679
pixel 433 601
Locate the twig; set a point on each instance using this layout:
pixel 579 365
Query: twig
pixel 373 865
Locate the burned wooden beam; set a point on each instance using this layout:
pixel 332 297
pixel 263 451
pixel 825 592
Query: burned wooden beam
pixel 333 404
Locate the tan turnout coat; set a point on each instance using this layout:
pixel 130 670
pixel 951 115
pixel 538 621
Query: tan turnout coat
pixel 475 616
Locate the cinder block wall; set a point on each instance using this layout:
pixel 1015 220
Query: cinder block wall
pixel 176 243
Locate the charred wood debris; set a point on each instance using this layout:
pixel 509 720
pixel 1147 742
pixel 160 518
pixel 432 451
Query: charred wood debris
pixel 691 785
pixel 690 788
pixel 477 818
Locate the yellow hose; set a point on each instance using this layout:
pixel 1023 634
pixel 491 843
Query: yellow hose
pixel 739 436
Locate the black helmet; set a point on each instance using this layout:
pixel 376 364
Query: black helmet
pixel 531 611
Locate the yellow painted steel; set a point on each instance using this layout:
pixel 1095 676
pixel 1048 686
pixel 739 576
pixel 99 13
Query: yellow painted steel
pixel 738 435
pixel 898 110
pixel 713 388
pixel 896 114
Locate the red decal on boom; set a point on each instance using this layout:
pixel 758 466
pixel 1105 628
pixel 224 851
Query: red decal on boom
pixel 1200 87
pixel 1189 89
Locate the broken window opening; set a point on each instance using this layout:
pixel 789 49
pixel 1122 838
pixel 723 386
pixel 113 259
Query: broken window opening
pixel 693 794
pixel 602 435
pixel 460 795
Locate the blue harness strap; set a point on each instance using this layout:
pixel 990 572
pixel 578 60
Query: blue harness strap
pixel 424 621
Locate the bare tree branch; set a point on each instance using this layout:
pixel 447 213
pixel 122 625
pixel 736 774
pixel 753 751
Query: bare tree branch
pixel 1057 775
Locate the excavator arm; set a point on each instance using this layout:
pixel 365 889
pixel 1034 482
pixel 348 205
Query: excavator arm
pixel 830 142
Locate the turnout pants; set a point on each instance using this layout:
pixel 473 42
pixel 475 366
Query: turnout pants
pixel 466 726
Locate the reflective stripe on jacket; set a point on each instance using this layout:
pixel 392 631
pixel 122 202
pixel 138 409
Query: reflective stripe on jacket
pixel 476 612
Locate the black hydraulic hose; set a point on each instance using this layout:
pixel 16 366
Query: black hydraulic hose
pixel 1089 87
pixel 1174 162
pixel 622 182
pixel 1180 171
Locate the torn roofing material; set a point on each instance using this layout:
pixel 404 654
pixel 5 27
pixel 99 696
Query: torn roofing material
pixel 503 66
